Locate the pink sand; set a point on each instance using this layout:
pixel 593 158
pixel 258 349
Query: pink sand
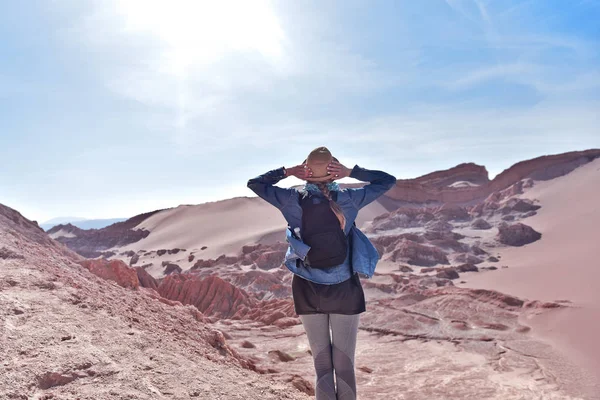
pixel 563 265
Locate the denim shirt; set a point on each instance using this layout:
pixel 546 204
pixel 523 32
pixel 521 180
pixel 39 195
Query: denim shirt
pixel 362 256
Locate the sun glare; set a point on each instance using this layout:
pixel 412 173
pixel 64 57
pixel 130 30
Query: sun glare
pixel 199 32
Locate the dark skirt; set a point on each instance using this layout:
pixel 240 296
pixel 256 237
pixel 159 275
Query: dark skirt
pixel 341 298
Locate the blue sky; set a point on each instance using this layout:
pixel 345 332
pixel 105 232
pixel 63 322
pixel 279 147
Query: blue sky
pixel 113 108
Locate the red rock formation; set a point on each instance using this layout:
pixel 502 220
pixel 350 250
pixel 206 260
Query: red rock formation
pixel 146 280
pixel 270 259
pixel 434 187
pixel 92 242
pixel 439 226
pixel 449 244
pixel 268 311
pixel 519 205
pixel 469 172
pixel 517 234
pixel 22 227
pixel 114 270
pixel 452 212
pixel 222 259
pixel 302 384
pixel 418 254
pixel 266 283
pixel 64 302
pixel 403 217
pixel 7 254
pixel 390 241
pixel 211 295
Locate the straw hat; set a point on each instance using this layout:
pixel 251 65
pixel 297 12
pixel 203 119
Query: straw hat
pixel 317 161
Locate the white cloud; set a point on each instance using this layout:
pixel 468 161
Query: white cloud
pixel 202 67
pixel 492 72
pixel 300 81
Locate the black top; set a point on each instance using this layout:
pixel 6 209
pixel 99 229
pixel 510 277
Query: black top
pixel 341 298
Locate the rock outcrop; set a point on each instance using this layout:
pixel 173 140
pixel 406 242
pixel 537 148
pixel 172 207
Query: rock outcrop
pixel 434 187
pixel 418 254
pixel 211 295
pixel 481 223
pixel 517 234
pixel 264 285
pixel 93 243
pixel 145 279
pixel 113 270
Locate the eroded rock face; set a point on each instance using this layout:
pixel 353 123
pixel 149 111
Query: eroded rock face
pixel 265 284
pixel 522 205
pixel 7 254
pixel 302 385
pixel 211 295
pixel 146 280
pixel 517 234
pixel 19 226
pixel 51 379
pixel 402 218
pixel 429 188
pixel 439 226
pixel 114 270
pixel 451 212
pixel 93 242
pixel 418 254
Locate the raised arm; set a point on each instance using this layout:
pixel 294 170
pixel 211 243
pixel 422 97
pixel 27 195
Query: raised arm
pixel 264 185
pixel 379 183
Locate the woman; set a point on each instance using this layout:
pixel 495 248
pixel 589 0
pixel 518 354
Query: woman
pixel 331 297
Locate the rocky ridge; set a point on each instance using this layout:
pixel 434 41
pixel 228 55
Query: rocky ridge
pixel 434 189
pixel 70 334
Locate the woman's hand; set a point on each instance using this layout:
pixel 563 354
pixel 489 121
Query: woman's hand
pixel 338 171
pixel 299 171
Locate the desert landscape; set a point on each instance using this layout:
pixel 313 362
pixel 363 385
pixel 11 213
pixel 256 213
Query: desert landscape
pixel 486 289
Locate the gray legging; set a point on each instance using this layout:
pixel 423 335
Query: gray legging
pixel 333 353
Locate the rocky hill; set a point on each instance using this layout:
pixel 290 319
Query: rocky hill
pixel 438 186
pixel 95 242
pixel 183 236
pixel 70 334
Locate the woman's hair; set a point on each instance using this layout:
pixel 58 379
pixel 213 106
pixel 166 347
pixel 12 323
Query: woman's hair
pixel 335 207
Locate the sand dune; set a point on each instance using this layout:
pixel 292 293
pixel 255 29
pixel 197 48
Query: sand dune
pixel 223 226
pixel 565 264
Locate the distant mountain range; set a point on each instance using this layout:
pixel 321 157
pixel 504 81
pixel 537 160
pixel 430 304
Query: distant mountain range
pixel 81 223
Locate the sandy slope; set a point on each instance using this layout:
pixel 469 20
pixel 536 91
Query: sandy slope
pixel 223 226
pixel 565 264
